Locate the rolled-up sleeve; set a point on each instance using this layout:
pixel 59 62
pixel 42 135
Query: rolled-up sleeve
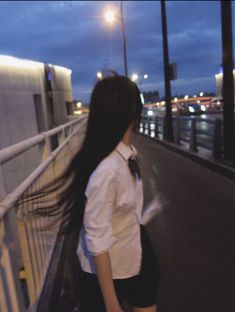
pixel 100 194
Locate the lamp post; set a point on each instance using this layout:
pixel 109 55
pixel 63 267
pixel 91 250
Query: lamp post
pixel 110 17
pixel 168 127
pixel 228 84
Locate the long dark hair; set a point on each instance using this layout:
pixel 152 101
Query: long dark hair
pixel 115 105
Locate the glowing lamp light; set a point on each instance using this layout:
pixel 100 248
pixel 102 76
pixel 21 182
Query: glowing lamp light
pixel 201 93
pixel 191 109
pixel 146 76
pixel 150 113
pixel 175 99
pixel 186 97
pixel 134 77
pixel 79 104
pixel 110 16
pixel 203 108
pixel 99 75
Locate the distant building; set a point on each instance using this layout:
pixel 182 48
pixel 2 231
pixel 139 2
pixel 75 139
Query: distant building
pixel 151 96
pixel 219 83
pixel 34 97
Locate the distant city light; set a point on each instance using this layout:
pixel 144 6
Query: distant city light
pixel 142 98
pixel 198 101
pixel 203 108
pixel 186 97
pixel 134 77
pixel 77 112
pixel 175 99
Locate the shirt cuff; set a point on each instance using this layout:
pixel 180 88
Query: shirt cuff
pixel 97 246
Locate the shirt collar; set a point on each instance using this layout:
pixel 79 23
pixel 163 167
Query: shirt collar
pixel 126 151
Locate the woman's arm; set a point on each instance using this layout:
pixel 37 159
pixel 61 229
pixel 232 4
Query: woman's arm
pixel 104 275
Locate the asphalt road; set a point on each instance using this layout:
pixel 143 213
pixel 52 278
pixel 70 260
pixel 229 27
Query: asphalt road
pixel 193 233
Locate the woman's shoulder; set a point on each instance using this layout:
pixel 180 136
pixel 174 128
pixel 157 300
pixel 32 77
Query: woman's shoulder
pixel 109 165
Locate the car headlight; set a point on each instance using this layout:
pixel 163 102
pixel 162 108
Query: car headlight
pixel 191 109
pixel 203 108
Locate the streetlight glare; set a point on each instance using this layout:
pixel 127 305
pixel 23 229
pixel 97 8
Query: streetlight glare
pixel 110 16
pixel 146 76
pixel 134 77
pixel 201 94
pixel 99 75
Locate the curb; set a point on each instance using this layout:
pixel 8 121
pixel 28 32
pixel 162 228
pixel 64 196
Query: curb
pixel 210 164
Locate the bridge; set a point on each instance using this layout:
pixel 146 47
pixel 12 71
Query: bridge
pixel 192 233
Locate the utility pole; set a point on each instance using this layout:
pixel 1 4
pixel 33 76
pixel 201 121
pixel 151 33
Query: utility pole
pixel 123 39
pixel 228 86
pixel 168 128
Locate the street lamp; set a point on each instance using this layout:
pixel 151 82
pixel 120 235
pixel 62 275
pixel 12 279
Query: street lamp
pixel 99 75
pixel 110 17
pixel 134 77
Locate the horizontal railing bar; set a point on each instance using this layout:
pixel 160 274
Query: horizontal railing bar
pixel 205 132
pixel 184 129
pixel 210 121
pixel 9 201
pixel 207 146
pixel 14 150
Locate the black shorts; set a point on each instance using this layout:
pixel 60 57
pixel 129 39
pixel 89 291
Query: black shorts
pixel 138 291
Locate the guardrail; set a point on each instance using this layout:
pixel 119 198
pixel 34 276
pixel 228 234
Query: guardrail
pixel 196 131
pixel 20 241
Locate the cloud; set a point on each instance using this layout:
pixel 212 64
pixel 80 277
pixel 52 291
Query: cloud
pixel 74 34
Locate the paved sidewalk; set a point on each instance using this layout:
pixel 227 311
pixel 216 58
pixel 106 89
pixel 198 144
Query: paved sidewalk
pixel 194 232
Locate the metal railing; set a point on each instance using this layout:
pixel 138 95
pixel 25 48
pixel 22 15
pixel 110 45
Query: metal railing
pixel 25 251
pixel 195 131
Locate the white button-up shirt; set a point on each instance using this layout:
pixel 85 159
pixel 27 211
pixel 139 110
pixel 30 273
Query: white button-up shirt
pixel 113 215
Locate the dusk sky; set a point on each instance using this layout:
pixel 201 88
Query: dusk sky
pixel 74 34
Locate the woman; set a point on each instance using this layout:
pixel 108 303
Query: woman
pixel 102 196
pixel 114 251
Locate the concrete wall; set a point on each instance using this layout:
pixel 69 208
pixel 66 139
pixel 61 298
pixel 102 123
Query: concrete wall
pixel 24 109
pixel 61 92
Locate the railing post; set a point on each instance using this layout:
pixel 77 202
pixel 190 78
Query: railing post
pixel 177 130
pixel 217 139
pixel 149 126
pixel 46 148
pixel 156 127
pixel 11 292
pixel 193 136
pixel 61 136
pixel 9 274
pixel 144 125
